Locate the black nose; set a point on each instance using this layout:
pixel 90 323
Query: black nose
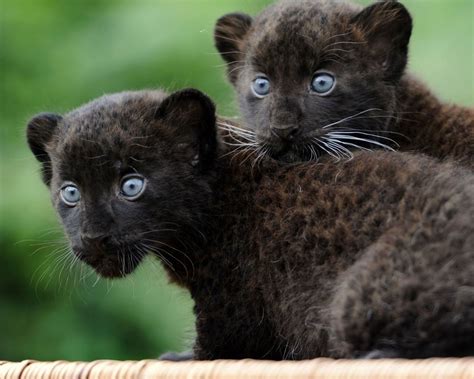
pixel 287 132
pixel 93 239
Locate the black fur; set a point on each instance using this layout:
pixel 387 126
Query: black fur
pixel 368 258
pixel 374 103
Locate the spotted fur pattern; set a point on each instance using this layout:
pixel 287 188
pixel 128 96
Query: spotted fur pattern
pixel 341 260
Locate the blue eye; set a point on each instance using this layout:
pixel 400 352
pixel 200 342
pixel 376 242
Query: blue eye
pixel 132 187
pixel 323 83
pixel 261 87
pixel 70 195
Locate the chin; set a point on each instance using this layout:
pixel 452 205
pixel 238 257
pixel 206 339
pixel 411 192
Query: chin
pixel 289 154
pixel 111 264
pixel 113 271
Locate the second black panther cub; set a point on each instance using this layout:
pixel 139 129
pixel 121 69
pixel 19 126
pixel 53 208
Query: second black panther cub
pixel 317 77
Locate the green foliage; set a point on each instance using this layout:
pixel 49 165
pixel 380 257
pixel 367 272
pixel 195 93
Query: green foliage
pixel 55 55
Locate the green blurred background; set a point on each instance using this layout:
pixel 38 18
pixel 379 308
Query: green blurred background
pixel 55 55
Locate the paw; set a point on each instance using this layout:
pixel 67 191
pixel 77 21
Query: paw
pixel 177 357
pixel 380 354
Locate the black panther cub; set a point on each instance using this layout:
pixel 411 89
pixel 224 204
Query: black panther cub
pixel 317 77
pixel 368 258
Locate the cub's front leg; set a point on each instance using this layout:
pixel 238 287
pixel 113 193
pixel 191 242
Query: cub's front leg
pixel 233 331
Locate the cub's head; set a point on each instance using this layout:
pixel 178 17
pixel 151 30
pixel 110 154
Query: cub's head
pixel 127 174
pixel 316 76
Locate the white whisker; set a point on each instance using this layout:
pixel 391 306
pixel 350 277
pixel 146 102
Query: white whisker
pixel 354 145
pixel 350 137
pixel 351 117
pixel 335 133
pixel 336 146
pixel 328 150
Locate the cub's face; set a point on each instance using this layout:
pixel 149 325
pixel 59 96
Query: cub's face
pixel 316 77
pixel 122 171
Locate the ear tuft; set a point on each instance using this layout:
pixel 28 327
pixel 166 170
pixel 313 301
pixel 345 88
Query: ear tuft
pixel 229 36
pixel 387 26
pixel 39 133
pixel 191 120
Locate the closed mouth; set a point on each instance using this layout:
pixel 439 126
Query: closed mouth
pixel 288 154
pixel 113 262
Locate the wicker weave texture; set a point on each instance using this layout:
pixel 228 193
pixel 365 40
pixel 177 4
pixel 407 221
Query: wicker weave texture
pixel 317 368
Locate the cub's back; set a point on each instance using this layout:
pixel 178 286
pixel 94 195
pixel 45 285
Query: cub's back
pixel 341 208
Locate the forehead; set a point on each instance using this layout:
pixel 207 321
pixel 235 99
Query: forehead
pixel 103 142
pixel 294 36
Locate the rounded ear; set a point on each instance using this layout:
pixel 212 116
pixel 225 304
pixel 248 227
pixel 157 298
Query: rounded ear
pixel 229 36
pixel 387 26
pixel 39 133
pixel 190 120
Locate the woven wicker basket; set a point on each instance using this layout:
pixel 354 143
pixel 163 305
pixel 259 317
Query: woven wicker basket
pixel 317 368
